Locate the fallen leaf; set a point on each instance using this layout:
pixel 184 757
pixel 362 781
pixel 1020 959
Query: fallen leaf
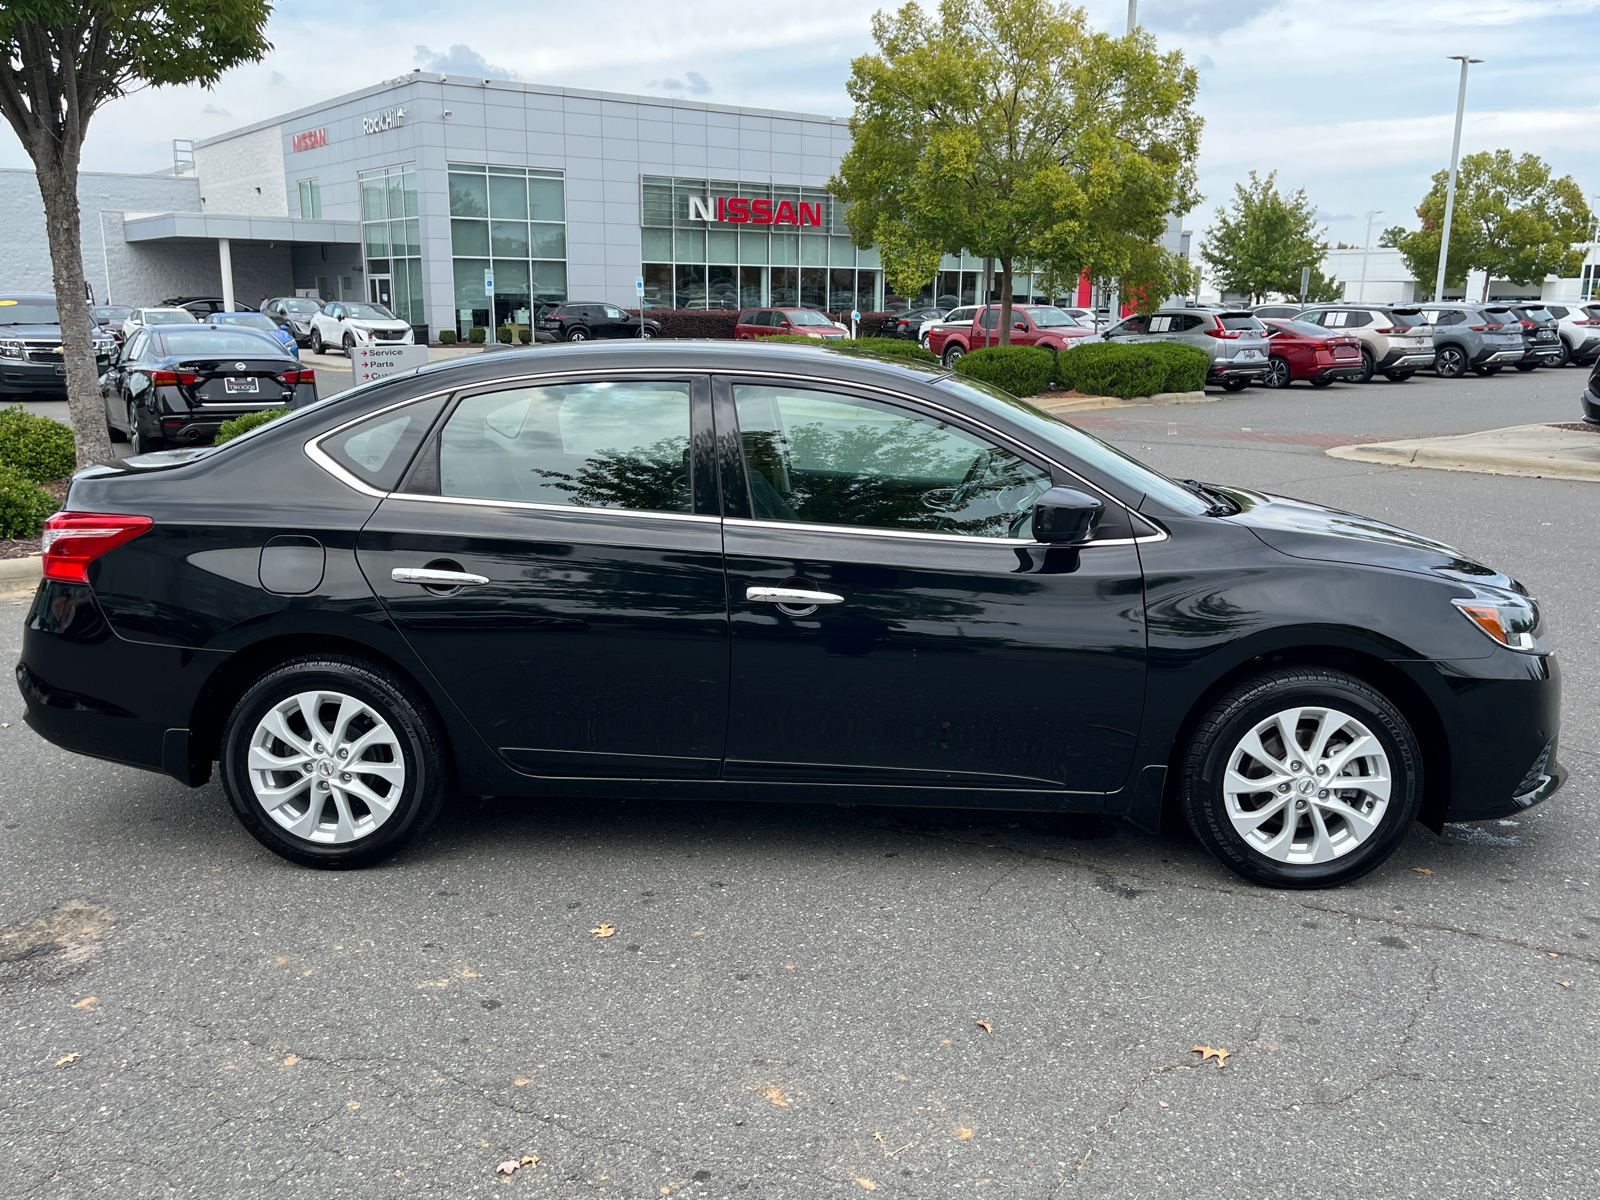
pixel 528 1160
pixel 509 1167
pixel 1422 870
pixel 291 1060
pixel 352 1105
pixel 1207 1052
pixel 776 1096
pixel 866 1183
pixel 1164 1104
pixel 788 966
pixel 92 1003
pixel 603 930
pixel 877 1137
pixel 521 1082
pixel 5 724
pixel 985 1026
pixel 1552 954
pixel 963 1133
pixel 1566 983
pixel 282 960
pixel 68 1058
pixel 944 1041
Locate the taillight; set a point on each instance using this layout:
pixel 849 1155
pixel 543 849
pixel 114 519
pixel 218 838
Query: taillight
pixel 174 378
pixel 1317 345
pixel 1395 329
pixel 293 377
pixel 1530 324
pixel 1585 321
pixel 1229 334
pixel 73 540
pixel 1485 328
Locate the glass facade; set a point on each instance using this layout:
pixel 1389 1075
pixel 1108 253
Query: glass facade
pixel 391 240
pixel 689 262
pixel 511 221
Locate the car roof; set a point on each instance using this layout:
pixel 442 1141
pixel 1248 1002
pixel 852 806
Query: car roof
pixel 28 297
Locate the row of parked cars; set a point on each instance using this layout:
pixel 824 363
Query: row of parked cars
pixel 294 321
pixel 1277 344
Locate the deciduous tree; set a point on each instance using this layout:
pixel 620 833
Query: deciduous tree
pixel 1513 220
pixel 1012 130
pixel 1261 242
pixel 60 61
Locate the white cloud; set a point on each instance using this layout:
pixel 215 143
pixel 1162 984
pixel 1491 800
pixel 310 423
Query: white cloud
pixel 460 60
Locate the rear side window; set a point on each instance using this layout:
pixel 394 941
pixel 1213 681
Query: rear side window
pixel 1358 320
pixel 1558 311
pixel 377 450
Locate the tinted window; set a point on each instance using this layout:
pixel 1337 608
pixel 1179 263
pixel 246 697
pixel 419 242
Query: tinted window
pixel 1403 319
pixel 1312 318
pixel 1558 311
pixel 806 317
pixel 246 321
pixel 220 341
pixel 1303 328
pixel 828 459
pixel 1449 318
pixel 1240 321
pixel 991 318
pixel 110 312
pixel 300 306
pixel 589 445
pixel 137 347
pixel 1186 321
pixel 748 318
pixel 175 316
pixel 378 450
pixel 1357 320
pixel 1539 314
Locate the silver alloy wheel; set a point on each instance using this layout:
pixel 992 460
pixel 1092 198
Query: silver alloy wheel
pixel 326 766
pixel 1307 785
pixel 1279 374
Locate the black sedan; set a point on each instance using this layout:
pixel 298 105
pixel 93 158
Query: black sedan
pixel 585 321
pixel 177 384
pixel 771 572
pixel 907 323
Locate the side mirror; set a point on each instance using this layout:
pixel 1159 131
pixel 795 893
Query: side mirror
pixel 1022 325
pixel 1064 516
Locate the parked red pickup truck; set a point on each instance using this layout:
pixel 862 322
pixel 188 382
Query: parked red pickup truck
pixel 1031 325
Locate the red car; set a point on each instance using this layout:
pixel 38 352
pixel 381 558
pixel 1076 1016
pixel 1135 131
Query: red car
pixel 1300 350
pixel 1031 325
pixel 793 322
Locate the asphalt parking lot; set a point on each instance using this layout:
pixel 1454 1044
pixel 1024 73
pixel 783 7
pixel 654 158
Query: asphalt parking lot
pixel 809 1001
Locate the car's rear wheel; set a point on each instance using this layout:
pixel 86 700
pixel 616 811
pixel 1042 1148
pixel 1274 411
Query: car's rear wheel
pixel 1528 364
pixel 1279 373
pixel 1450 362
pixel 333 762
pixel 1303 777
pixel 1563 354
pixel 1322 383
pixel 317 346
pixel 1368 366
pixel 140 442
pixel 951 354
pixel 580 334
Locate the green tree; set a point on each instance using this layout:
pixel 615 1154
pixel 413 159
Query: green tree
pixel 1513 220
pixel 1263 240
pixel 60 61
pixel 1011 130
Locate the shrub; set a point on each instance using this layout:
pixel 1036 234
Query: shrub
pixel 36 446
pixel 1113 369
pixel 232 429
pixel 503 335
pixel 891 347
pixel 1020 370
pixel 447 337
pixel 477 335
pixel 24 505
pixel 1186 365
pixel 525 335
pixel 692 322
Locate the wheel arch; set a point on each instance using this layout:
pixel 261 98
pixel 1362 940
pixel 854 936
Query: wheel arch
pixel 1406 694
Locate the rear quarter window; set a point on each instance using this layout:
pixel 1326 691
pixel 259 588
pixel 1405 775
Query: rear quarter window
pixel 378 449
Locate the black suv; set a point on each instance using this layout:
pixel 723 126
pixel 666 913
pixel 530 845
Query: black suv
pixel 1541 336
pixel 31 359
pixel 580 320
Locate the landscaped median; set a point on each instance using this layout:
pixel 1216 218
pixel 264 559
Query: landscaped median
pixel 1560 451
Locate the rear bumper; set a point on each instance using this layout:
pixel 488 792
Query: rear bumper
pixel 1230 371
pixel 1336 371
pixel 1489 356
pixel 1411 360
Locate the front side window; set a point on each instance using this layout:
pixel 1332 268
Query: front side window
pixel 587 445
pixel 828 459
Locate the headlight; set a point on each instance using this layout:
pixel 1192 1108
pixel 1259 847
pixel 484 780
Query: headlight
pixel 10 350
pixel 1510 619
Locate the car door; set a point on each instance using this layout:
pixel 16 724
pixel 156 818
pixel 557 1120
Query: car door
pixel 1129 330
pixel 113 390
pixel 946 648
pixel 614 322
pixel 582 628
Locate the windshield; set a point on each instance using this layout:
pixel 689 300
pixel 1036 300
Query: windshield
pixel 300 306
pixel 1051 318
pixel 246 321
pixel 168 316
pixel 368 312
pixel 808 318
pixel 107 312
pixel 20 312
pixel 1091 451
pixel 1538 314
pixel 221 341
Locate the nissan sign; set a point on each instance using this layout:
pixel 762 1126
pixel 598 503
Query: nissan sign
pixel 738 210
pixel 310 140
pixel 388 119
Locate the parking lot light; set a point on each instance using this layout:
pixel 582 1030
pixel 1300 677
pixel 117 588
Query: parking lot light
pixel 1450 190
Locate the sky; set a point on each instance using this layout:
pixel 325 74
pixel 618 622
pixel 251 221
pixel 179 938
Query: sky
pixel 1353 101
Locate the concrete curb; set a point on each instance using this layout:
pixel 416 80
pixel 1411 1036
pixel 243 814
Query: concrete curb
pixel 1529 451
pixel 1085 403
pixel 17 574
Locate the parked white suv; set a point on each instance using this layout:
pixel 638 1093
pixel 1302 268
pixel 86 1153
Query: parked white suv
pixel 1579 326
pixel 350 323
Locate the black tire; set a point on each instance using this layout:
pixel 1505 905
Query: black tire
pixel 139 442
pixel 1565 356
pixel 1235 385
pixel 1450 362
pixel 350 345
pixel 1322 383
pixel 1368 366
pixel 317 344
pixel 1279 373
pixel 1236 713
pixel 1528 364
pixel 1485 372
pixel 1397 376
pixel 580 334
pixel 427 775
pixel 950 355
pixel 647 333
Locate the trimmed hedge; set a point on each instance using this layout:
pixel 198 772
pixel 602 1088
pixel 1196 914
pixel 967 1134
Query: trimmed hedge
pixel 477 335
pixel 890 347
pixel 1128 371
pixel 24 505
pixel 39 448
pixel 232 429
pixel 692 322
pixel 524 335
pixel 447 337
pixel 1020 370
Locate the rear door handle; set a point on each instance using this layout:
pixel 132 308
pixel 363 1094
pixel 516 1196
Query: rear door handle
pixel 430 577
pixel 796 597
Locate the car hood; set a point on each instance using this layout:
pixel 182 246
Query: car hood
pixel 30 331
pixel 355 323
pixel 1310 531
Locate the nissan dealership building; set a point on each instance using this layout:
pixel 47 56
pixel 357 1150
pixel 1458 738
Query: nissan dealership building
pixel 460 201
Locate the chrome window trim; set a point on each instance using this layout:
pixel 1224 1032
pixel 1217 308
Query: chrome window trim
pixel 970 539
pixel 314 451
pixel 555 509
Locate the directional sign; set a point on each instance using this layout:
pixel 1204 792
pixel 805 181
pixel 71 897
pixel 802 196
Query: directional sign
pixel 855 315
pixel 381 361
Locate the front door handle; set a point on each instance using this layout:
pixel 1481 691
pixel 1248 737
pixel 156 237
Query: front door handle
pixel 431 578
pixel 794 597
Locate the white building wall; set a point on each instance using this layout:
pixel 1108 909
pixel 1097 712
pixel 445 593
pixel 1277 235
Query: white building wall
pixel 243 175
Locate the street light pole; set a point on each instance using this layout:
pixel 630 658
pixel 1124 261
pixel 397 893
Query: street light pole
pixel 1366 248
pixel 1455 158
pixel 1133 15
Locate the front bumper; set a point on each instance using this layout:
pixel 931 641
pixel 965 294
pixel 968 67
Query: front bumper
pixel 1591 407
pixel 19 377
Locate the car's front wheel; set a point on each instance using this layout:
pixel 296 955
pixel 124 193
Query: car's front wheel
pixel 1303 777
pixel 1235 385
pixel 350 345
pixel 333 762
pixel 1279 374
